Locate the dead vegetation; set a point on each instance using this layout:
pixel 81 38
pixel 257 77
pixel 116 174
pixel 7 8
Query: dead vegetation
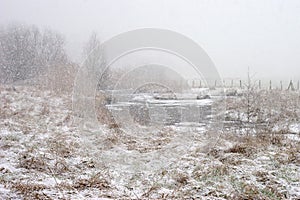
pixel 31 190
pixel 263 112
pixel 45 158
pixel 103 114
pixel 95 181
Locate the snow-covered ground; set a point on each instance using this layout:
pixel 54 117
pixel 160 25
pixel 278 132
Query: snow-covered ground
pixel 46 155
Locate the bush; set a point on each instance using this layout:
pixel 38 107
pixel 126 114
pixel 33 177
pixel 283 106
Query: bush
pixel 25 52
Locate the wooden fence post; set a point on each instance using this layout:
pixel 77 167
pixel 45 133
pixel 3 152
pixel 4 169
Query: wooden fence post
pixel 291 86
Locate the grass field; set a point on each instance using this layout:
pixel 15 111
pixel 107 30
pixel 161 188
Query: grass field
pixel 45 154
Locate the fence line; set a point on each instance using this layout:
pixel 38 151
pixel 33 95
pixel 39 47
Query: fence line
pixel 259 84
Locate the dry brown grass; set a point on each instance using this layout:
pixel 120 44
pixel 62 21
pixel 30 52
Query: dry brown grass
pixel 98 181
pixel 182 178
pixel 31 190
pixel 59 79
pixel 103 114
pixel 58 156
pixel 242 148
pixel 60 148
pixel 245 190
pixel 32 161
pixel 288 155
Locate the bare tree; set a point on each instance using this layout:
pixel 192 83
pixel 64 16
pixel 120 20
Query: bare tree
pixel 248 107
pixel 95 61
pixel 26 52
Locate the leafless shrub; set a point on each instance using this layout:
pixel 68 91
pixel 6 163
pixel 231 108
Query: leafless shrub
pixel 264 113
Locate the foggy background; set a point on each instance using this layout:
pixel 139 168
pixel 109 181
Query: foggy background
pixel 261 35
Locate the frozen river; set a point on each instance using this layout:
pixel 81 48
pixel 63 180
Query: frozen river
pixel 147 109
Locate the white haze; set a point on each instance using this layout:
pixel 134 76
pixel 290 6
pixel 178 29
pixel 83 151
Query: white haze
pixel 261 35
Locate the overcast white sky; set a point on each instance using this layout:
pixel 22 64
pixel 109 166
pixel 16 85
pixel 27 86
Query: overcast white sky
pixel 264 35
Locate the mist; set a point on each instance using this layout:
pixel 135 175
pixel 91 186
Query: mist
pixel 260 35
pixel 150 99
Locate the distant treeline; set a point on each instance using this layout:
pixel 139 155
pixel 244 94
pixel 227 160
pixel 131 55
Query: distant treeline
pixel 26 51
